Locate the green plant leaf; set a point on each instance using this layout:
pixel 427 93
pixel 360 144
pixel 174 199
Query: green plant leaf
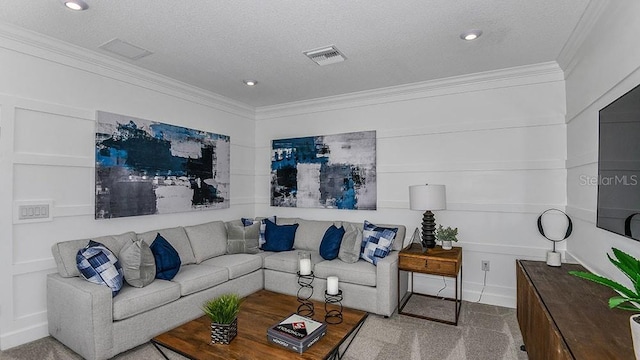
pixel 606 282
pixel 223 309
pixel 618 301
pixel 629 266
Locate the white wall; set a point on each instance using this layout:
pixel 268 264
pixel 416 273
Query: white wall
pixel 606 67
pixel 48 103
pixel 496 140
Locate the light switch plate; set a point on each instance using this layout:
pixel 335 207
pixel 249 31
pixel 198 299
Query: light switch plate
pixel 27 211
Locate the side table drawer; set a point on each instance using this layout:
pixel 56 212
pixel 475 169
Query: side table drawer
pixel 431 266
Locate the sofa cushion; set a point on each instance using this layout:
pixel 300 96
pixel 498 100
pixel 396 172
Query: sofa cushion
pixel 177 237
pixel 330 244
pixel 376 242
pixel 310 233
pixel 65 252
pixel 193 278
pixel 99 265
pixel 132 301
pixel 237 265
pixel 287 261
pixel 207 240
pixel 350 246
pixel 242 239
pixel 166 258
pixel 138 263
pixel 360 273
pixel 279 237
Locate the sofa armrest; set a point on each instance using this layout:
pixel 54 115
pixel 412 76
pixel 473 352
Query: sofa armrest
pixel 80 315
pixel 387 283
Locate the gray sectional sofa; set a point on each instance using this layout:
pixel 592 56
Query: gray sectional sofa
pixel 85 317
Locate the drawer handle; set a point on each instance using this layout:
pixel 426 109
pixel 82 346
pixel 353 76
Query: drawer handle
pixel 425 262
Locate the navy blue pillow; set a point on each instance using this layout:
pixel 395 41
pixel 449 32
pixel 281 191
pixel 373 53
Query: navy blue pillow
pixel 330 245
pixel 167 258
pixel 279 237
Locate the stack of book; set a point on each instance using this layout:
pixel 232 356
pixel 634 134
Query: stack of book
pixel 296 333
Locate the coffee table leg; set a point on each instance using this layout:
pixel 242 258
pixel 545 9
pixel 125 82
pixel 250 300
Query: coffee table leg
pixel 160 350
pixel 336 355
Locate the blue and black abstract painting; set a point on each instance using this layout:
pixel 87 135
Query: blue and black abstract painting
pixel 145 167
pixel 331 171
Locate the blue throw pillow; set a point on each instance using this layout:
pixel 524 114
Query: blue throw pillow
pixel 166 257
pixel 279 237
pixel 263 227
pixel 330 245
pixel 98 265
pixel 376 242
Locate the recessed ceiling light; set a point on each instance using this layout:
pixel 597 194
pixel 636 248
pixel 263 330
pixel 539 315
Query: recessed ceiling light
pixel 471 34
pixel 76 5
pixel 250 82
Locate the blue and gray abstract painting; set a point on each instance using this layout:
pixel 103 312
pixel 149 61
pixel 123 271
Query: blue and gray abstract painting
pixel 145 167
pixel 331 171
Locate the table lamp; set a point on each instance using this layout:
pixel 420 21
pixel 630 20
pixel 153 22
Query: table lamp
pixel 427 198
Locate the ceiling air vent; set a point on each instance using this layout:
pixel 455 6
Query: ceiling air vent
pixel 326 55
pixel 125 49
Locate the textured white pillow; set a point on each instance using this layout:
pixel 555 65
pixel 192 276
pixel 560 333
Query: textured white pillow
pixel 138 263
pixel 351 242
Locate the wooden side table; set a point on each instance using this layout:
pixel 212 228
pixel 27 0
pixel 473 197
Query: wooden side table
pixel 435 261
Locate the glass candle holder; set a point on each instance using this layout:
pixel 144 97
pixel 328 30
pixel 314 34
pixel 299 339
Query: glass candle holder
pixel 304 259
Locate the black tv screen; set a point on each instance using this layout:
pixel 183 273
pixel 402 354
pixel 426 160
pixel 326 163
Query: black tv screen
pixel 619 166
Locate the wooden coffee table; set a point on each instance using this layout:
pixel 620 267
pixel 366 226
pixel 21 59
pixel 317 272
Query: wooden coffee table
pixel 258 312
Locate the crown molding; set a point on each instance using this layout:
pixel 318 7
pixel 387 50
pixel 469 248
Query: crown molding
pixel 567 58
pixel 50 49
pixel 516 76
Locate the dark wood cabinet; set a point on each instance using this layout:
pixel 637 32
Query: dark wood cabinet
pixel 565 317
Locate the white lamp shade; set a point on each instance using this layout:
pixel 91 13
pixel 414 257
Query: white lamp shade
pixel 427 197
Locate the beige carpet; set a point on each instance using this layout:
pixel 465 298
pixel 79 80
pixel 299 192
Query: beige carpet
pixel 484 332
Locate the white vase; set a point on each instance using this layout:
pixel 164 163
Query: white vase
pixel 635 334
pixel 446 245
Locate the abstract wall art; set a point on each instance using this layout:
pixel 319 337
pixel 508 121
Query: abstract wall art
pixel 331 171
pixel 145 167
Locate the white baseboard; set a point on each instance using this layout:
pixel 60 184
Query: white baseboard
pixel 23 336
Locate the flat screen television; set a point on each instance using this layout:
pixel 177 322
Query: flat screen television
pixel 619 166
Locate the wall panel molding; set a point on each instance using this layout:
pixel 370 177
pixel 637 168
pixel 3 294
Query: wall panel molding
pixel 39 106
pixel 462 167
pixel 453 166
pixel 23 158
pixel 567 58
pixel 27 267
pixel 507 124
pixel 582 214
pixel 503 78
pixel 585 159
pixel 53 50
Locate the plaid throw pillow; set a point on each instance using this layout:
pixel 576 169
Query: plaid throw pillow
pixel 376 242
pixel 98 265
pixel 263 227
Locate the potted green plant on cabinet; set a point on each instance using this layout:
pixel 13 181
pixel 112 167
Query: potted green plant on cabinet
pixel 223 312
pixel 628 299
pixel 446 236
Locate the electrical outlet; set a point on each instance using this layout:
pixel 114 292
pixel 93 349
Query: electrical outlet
pixel 486 265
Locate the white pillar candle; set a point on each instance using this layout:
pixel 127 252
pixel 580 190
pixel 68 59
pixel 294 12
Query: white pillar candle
pixel 305 266
pixel 332 285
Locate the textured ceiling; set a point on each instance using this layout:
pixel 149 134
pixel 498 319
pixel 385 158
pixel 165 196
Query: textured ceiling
pixel 215 44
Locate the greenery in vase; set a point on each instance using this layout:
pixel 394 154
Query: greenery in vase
pixel 446 234
pixel 222 309
pixel 629 266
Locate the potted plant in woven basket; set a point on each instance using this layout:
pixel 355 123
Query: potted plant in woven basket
pixel 628 299
pixel 447 236
pixel 223 312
